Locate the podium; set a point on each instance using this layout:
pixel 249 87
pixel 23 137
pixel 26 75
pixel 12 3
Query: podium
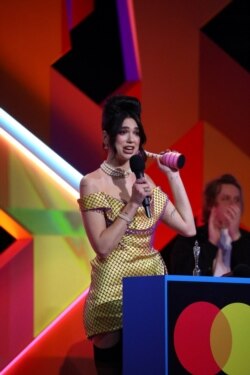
pixel 174 325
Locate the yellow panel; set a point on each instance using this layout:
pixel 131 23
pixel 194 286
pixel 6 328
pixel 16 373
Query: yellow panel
pixel 31 187
pixel 62 272
pixel 49 212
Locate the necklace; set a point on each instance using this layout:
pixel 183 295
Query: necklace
pixel 114 172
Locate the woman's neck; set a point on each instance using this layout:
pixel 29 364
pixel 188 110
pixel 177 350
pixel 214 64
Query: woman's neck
pixel 112 170
pixel 116 163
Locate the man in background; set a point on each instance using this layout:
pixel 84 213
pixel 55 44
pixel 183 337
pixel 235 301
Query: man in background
pixel 224 245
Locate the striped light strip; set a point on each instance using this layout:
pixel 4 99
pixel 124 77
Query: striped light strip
pixel 24 137
pixel 58 179
pixel 60 171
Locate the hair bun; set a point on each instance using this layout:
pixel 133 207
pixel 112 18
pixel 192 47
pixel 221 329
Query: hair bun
pixel 122 103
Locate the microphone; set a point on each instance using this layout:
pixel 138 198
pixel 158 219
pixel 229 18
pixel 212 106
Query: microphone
pixel 137 165
pixel 171 159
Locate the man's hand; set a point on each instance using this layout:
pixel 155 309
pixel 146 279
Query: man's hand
pixel 232 217
pixel 214 227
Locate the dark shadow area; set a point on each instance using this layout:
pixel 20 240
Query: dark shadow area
pixel 79 360
pixel 230 29
pixel 94 64
pixel 6 239
pixel 77 366
pixel 166 252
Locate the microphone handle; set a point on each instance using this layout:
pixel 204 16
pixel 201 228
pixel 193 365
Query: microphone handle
pixel 146 200
pixel 146 205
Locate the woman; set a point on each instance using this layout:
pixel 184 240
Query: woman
pixel 118 229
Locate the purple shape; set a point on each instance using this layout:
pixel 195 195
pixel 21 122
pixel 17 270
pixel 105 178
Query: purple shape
pixel 132 71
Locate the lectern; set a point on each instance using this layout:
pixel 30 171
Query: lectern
pixel 174 325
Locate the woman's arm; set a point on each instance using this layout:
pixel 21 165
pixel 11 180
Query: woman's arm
pixel 178 216
pixel 104 239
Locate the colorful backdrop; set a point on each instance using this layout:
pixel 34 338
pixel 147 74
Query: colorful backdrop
pixel 59 60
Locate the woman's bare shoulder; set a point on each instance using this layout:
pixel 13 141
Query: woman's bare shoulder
pixel 91 183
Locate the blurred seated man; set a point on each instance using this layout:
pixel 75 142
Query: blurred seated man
pixel 224 246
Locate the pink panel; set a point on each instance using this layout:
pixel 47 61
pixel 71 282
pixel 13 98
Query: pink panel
pixel 62 348
pixel 16 296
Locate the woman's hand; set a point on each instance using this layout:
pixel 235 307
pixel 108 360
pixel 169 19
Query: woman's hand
pixel 140 190
pixel 178 216
pixel 165 169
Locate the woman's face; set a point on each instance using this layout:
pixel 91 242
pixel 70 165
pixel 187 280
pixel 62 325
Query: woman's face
pixel 127 141
pixel 229 196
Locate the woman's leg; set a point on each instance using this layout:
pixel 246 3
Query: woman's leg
pixel 108 353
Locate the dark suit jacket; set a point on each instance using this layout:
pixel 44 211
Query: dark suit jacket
pixel 180 259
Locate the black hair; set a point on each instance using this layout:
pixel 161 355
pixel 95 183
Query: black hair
pixel 212 190
pixel 116 109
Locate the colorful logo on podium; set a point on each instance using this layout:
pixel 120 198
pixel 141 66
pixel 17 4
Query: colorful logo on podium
pixel 208 339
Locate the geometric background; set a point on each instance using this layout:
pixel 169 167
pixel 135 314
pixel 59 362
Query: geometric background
pixel 59 60
pixel 48 265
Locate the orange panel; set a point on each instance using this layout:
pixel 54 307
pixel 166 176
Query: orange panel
pixel 227 158
pixel 30 39
pixel 11 226
pixel 168 39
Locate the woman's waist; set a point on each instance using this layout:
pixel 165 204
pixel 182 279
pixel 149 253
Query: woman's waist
pixel 123 260
pixel 140 243
pixel 108 276
pixel 129 250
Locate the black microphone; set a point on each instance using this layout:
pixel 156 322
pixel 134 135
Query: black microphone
pixel 137 166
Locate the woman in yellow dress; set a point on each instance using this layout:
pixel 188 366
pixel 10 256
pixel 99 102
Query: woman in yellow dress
pixel 118 229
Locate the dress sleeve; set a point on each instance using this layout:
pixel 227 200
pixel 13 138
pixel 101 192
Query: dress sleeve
pixel 161 200
pixel 94 202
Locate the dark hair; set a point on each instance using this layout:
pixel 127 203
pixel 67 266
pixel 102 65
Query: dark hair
pixel 116 109
pixel 212 190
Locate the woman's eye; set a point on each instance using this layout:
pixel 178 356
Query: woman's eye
pixel 122 131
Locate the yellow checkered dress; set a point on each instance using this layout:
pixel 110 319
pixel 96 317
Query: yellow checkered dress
pixel 134 256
